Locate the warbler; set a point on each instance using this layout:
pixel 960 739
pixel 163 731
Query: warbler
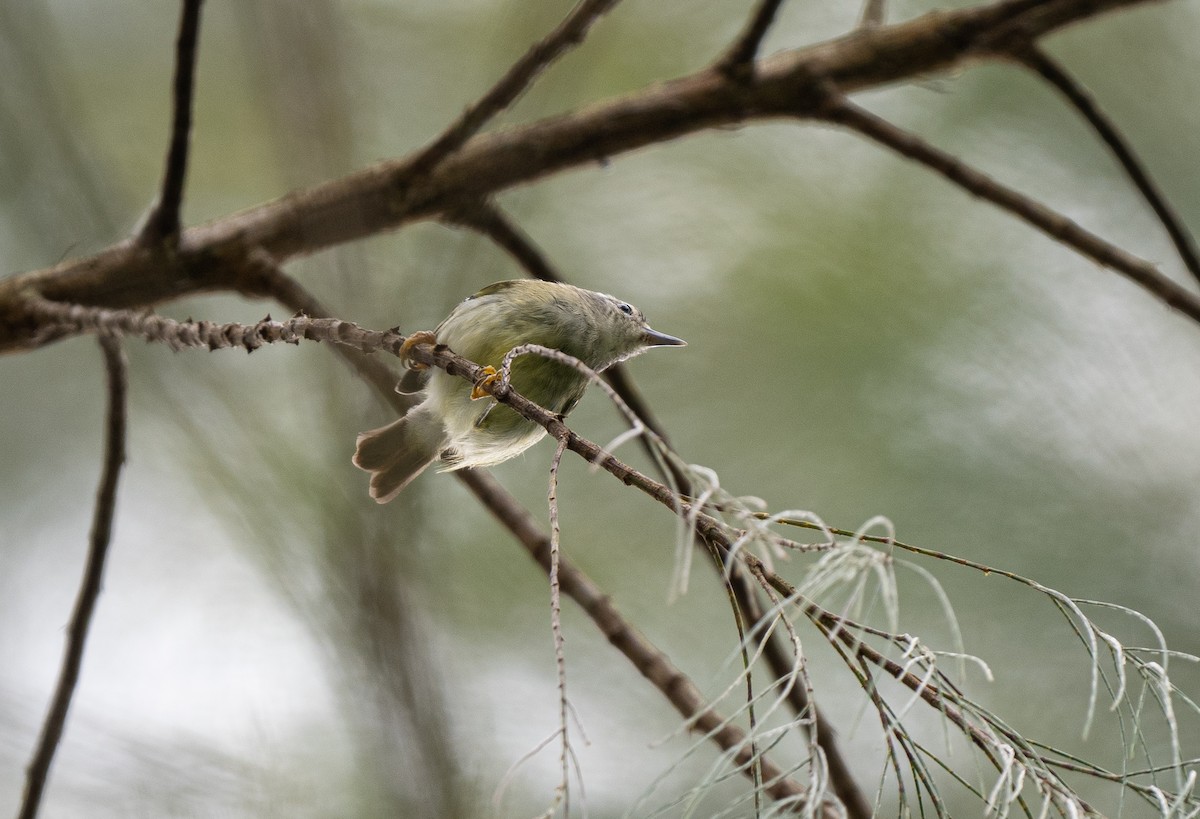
pixel 452 427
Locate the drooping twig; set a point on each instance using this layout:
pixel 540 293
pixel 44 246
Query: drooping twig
pixel 568 34
pixel 163 221
pixel 780 656
pixel 738 61
pixel 489 220
pixel 654 665
pixel 93 575
pixel 556 627
pixel 1052 223
pixel 1052 72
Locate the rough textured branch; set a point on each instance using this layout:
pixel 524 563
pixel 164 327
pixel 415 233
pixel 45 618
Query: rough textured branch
pixel 715 532
pixel 390 194
pixel 89 590
pixel 74 318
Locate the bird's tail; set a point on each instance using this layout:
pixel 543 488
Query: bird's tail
pixel 399 452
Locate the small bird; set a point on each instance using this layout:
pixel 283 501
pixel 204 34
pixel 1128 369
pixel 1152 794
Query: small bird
pixel 453 427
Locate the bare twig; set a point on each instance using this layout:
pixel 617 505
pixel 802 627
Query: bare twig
pixel 93 575
pixel 1052 72
pixel 486 218
pixel 568 34
pixel 163 221
pixel 738 62
pixel 1050 222
pixel 779 655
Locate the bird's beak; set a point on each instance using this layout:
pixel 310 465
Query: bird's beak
pixel 653 338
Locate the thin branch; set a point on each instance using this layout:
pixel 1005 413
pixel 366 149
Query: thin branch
pixel 1050 222
pixel 1083 102
pixel 491 221
pixel 93 575
pixel 568 34
pixel 556 628
pixel 163 221
pixel 274 283
pixel 179 335
pixel 738 62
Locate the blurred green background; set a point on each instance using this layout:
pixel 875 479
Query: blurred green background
pixel 864 340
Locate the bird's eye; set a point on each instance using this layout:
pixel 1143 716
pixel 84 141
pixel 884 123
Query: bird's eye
pixel 627 309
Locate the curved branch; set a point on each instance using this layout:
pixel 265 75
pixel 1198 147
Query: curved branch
pixel 942 696
pixel 1050 222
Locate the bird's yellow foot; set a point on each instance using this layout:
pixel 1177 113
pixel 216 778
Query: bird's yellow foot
pixel 419 337
pixel 489 377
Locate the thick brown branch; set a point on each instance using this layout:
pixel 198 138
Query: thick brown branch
pixel 390 194
pixel 93 575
